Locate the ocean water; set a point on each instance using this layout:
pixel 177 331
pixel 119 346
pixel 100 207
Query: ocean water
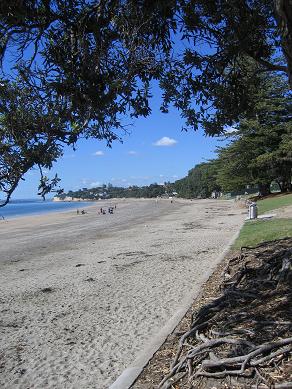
pixel 18 208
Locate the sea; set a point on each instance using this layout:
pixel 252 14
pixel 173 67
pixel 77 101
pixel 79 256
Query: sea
pixel 18 208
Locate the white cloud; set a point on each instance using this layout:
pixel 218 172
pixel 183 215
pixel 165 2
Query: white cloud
pixel 230 130
pixel 94 184
pixel 174 176
pixel 161 175
pixel 132 152
pixel 165 141
pixel 98 153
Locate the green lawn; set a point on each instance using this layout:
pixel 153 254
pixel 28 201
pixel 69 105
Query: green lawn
pixel 258 231
pixel 273 203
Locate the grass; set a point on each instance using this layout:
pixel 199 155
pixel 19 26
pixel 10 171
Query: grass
pixel 258 231
pixel 273 203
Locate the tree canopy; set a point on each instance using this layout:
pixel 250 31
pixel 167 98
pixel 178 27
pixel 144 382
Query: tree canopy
pixel 200 181
pixel 260 151
pixel 82 66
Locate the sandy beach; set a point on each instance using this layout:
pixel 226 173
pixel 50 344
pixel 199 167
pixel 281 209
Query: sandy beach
pixel 82 295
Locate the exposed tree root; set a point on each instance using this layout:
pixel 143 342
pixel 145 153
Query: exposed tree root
pixel 246 333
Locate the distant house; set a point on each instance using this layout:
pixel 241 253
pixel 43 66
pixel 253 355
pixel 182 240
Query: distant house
pixel 215 194
pixel 56 198
pixel 66 198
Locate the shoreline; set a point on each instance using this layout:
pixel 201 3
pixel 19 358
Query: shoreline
pixel 93 203
pixel 88 204
pixel 45 212
pixel 82 295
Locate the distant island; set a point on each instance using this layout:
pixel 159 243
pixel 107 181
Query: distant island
pixel 109 191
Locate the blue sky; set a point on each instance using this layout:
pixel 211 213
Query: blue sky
pixel 155 151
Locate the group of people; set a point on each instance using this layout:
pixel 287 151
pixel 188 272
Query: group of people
pixel 110 210
pixel 102 211
pixel 82 212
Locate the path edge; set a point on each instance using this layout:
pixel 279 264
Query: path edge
pixel 131 373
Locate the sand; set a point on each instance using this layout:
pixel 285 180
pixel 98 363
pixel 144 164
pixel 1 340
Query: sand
pixel 81 296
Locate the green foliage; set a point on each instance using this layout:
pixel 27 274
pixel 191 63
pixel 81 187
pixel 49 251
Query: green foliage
pixel 223 81
pixel 259 151
pixel 110 191
pixel 31 134
pixel 200 181
pixel 255 232
pixel 47 186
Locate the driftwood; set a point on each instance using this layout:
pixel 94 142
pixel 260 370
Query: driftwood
pixel 236 335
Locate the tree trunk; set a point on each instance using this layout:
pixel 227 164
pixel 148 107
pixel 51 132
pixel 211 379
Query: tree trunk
pixel 286 185
pixel 280 185
pixel 264 189
pixel 289 183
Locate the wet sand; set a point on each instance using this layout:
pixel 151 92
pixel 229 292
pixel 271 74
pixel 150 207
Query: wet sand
pixel 82 295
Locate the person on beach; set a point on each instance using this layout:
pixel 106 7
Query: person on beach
pixel 77 211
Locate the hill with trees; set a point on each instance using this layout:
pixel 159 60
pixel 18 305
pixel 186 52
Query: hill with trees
pixel 110 191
